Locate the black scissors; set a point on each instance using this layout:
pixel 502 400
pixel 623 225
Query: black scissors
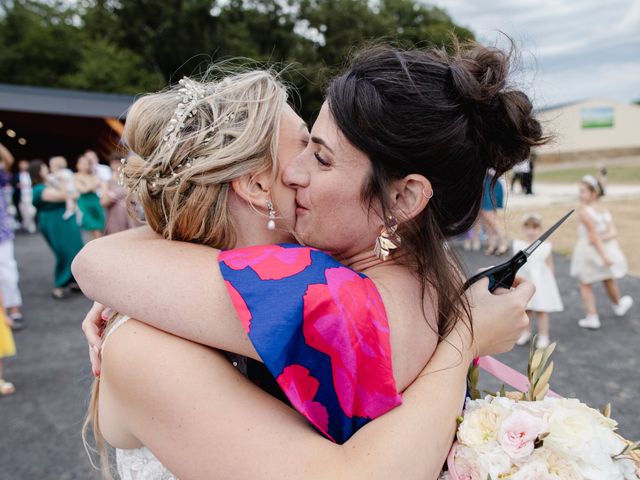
pixel 503 275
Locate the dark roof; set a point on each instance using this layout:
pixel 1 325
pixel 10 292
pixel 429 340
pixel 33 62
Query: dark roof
pixel 559 105
pixel 59 101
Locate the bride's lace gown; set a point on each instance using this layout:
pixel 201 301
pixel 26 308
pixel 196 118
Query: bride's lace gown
pixel 140 464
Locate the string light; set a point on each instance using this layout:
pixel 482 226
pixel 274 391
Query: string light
pixel 11 133
pixel 1 124
pixel 22 141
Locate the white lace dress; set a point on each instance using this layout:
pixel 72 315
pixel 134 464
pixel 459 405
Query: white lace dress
pixel 137 463
pixel 140 464
pixel 536 270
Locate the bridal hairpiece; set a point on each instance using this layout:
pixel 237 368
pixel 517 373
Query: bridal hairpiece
pixel 189 94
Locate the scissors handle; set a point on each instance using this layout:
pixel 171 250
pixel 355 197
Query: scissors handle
pixel 502 275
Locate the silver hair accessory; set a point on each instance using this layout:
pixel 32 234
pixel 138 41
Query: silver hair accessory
pixel 593 181
pixel 271 224
pixel 189 94
pixel 123 163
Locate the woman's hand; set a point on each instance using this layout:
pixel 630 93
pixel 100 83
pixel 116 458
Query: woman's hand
pixel 498 319
pixel 93 326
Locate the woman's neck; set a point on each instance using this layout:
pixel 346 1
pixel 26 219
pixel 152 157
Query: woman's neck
pixel 366 262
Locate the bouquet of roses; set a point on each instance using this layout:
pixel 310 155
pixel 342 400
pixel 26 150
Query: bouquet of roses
pixel 533 436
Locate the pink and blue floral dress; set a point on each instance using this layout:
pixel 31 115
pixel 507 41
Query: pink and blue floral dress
pixel 321 330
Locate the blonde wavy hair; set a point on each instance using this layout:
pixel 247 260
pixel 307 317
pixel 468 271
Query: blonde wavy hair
pixel 180 167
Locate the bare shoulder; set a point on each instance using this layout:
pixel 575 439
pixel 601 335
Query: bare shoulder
pixel 137 360
pixel 413 330
pixel 135 349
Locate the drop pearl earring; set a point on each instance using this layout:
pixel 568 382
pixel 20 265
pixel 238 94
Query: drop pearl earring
pixel 271 223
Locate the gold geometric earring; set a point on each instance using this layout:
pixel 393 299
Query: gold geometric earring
pixel 387 240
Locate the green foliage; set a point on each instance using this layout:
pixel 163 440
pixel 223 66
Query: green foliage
pixel 131 46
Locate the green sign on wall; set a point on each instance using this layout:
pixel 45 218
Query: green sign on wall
pixel 597 117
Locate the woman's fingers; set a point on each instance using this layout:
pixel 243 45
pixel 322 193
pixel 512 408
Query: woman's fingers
pixel 92 327
pixel 96 361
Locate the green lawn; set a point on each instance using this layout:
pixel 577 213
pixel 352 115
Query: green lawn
pixel 616 174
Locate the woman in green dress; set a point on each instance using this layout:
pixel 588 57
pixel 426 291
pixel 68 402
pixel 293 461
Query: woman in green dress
pixel 63 236
pixel 88 184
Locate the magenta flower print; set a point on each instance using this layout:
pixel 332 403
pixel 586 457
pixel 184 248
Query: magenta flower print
pixel 270 262
pixel 300 387
pixel 240 306
pixel 346 320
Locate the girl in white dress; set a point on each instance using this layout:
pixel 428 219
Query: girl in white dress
pixel 597 256
pixel 539 271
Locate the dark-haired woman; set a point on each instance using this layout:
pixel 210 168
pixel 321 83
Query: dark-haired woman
pixel 380 186
pixel 62 236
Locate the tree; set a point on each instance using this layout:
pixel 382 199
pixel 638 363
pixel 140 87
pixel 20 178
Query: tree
pixel 131 46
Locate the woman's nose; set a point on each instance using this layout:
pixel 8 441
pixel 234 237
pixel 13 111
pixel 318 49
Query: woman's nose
pixel 294 174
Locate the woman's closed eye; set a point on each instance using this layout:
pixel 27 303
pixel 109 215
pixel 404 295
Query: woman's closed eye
pixel 322 161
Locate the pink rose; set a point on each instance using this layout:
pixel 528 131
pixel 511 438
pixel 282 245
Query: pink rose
pixel 518 433
pixel 467 466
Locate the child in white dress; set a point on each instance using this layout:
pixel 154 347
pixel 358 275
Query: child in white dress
pixel 539 271
pixel 597 256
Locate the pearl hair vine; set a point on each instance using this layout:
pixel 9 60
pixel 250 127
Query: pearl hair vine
pixel 190 94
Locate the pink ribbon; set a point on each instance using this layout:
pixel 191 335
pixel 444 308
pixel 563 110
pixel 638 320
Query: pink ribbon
pixel 508 375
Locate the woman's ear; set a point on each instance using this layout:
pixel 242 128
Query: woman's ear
pixel 410 196
pixel 253 189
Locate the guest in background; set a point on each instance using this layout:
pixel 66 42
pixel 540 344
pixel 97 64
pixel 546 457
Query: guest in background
pixel 63 236
pixel 103 172
pixel 8 265
pixel 519 174
pixel 113 199
pixel 492 200
pixel 22 197
pixel 538 270
pixel 7 349
pixel 62 178
pixel 597 256
pixel 88 185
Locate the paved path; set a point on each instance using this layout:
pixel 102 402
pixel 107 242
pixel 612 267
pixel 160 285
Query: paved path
pixel 41 423
pixel 560 193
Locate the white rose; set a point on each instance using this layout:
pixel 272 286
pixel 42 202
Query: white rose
pixel 570 433
pixel 575 404
pixel 558 467
pixel 534 470
pixel 479 429
pixel 495 463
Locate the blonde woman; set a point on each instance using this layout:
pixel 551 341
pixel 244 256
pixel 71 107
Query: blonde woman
pixel 407 295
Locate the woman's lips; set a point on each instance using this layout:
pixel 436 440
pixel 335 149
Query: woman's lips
pixel 299 208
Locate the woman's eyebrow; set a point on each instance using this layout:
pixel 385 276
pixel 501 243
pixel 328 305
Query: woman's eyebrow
pixel 320 141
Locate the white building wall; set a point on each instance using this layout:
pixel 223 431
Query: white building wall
pixel 565 123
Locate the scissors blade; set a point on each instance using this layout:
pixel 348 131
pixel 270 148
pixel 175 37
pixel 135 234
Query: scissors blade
pixel 530 249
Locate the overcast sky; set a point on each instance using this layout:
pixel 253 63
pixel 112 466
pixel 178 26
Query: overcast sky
pixel 571 49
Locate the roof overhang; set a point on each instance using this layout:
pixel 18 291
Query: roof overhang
pixel 57 101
